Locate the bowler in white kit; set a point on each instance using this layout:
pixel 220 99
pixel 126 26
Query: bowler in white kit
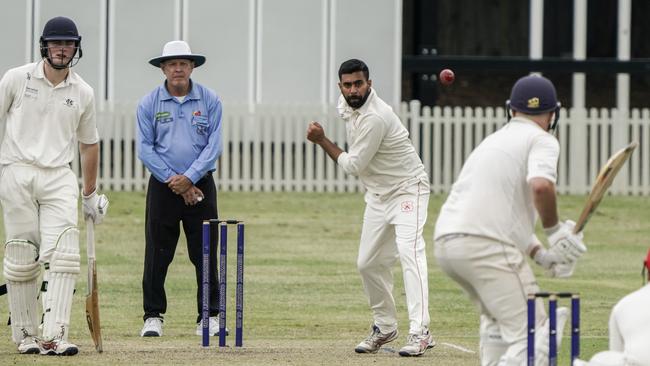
pixel 397 195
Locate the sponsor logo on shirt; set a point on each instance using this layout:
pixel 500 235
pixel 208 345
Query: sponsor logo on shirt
pixel 407 206
pixel 200 123
pixel 31 92
pixel 164 117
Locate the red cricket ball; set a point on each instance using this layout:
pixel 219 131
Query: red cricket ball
pixel 446 77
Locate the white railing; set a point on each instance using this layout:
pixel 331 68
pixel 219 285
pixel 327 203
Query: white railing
pixel 265 147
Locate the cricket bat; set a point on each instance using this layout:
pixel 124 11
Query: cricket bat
pixel 603 181
pixel 92 297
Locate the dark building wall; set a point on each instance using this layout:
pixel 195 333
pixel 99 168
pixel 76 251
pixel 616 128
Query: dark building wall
pixel 501 28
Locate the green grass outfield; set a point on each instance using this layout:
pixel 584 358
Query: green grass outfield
pixel 304 303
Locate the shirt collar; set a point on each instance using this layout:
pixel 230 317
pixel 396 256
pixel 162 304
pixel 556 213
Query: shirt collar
pixel 192 95
pixel 39 73
pixel 345 111
pixel 526 121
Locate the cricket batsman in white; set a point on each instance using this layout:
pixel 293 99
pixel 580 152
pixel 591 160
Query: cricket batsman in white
pixel 382 156
pixel 486 226
pixel 46 108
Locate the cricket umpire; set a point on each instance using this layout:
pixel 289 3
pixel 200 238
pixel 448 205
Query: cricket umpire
pixel 179 141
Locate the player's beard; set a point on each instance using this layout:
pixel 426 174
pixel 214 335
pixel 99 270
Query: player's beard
pixel 357 102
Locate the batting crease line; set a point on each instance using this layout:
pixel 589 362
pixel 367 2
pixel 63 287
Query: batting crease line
pixel 462 349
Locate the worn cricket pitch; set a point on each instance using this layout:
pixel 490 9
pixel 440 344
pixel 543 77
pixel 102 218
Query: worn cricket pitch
pixel 304 304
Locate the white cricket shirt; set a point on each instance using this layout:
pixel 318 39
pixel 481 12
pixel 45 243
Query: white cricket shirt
pixel 380 152
pixel 629 325
pixel 492 197
pixel 43 122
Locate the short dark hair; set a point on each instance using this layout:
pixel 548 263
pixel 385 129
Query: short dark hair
pixel 352 66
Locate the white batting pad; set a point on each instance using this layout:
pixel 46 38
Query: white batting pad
pixel 491 344
pixel 21 270
pixel 541 336
pixel 64 268
pixel 43 289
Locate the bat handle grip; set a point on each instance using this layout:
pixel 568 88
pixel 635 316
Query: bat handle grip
pixel 90 239
pixel 578 228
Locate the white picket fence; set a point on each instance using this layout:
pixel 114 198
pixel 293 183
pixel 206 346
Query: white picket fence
pixel 265 147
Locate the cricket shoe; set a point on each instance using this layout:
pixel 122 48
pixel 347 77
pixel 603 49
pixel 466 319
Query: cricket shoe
pixel 375 340
pixel 152 327
pixel 417 344
pixel 214 327
pixel 29 346
pixel 58 347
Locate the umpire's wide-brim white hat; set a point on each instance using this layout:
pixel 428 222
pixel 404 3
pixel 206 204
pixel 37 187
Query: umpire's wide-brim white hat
pixel 177 49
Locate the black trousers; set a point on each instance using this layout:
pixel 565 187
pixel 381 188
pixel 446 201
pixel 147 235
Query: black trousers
pixel 165 211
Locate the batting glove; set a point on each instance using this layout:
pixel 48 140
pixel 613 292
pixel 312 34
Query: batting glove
pixel 547 259
pixel 563 270
pixel 564 243
pixel 95 207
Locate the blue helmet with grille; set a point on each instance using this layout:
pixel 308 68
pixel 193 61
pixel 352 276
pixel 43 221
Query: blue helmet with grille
pixel 60 29
pixel 533 95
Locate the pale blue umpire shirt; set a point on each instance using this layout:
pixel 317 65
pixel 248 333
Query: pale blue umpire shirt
pixel 180 138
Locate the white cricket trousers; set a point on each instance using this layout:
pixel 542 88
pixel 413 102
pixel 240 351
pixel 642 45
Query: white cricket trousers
pixel 38 204
pixel 497 278
pixel 392 229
